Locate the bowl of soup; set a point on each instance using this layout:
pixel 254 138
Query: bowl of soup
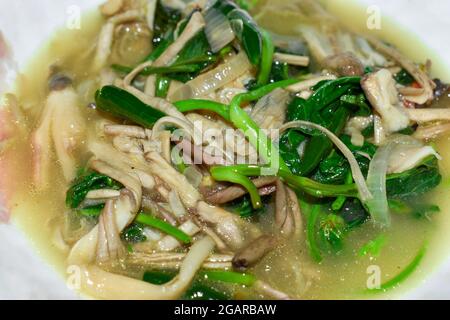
pixel 219 150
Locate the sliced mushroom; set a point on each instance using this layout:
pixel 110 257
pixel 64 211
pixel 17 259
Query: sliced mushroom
pixel 254 252
pixel 380 89
pixel 128 131
pixel 106 285
pixel 173 260
pixel 111 7
pixel 264 184
pixel 169 243
pixel 225 224
pixel 85 249
pixel 109 245
pixel 62 124
pixel 345 64
pixel 432 131
pixel 302 61
pixel 287 211
pixel 428 115
pixel 270 111
pixel 178 182
pixel 426 93
pixel 106 37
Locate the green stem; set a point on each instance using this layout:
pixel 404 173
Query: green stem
pixel 244 279
pixel 241 120
pixel 303 184
pixel 405 273
pixel 193 105
pixel 158 70
pixel 165 227
pixel 313 247
pixel 268 50
pixel 316 189
pixel 340 201
pixel 230 175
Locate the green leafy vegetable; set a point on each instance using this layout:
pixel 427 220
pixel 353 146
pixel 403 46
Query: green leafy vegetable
pixel 197 55
pixel 289 146
pixel 266 58
pixel 134 233
pixel 425 211
pixel 373 247
pixel 243 207
pixel 319 145
pixel 414 182
pixel 404 78
pixel 122 104
pixel 166 20
pixel 311 233
pixel 340 201
pixel 279 72
pixel 91 212
pixel 354 213
pixel 181 68
pixel 85 183
pixel 247 4
pixel 162 86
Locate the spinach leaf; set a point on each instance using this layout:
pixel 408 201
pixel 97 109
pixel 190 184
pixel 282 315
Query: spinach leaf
pixel 134 233
pixel 166 20
pixel 244 208
pixel 288 147
pixel 91 212
pixel 335 168
pixel 404 78
pixel 122 104
pixel 414 182
pixel 354 213
pixel 85 183
pixel 197 53
pixel 162 86
pixel 358 101
pixel 425 211
pixel 247 4
pixel 331 91
pixel 279 72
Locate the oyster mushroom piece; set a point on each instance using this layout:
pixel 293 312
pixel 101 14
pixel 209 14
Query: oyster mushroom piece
pixel 380 89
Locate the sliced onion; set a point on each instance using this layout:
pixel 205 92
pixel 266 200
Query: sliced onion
pixel 215 79
pixel 358 177
pixel 376 178
pixel 376 182
pixel 218 30
pixel 193 176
